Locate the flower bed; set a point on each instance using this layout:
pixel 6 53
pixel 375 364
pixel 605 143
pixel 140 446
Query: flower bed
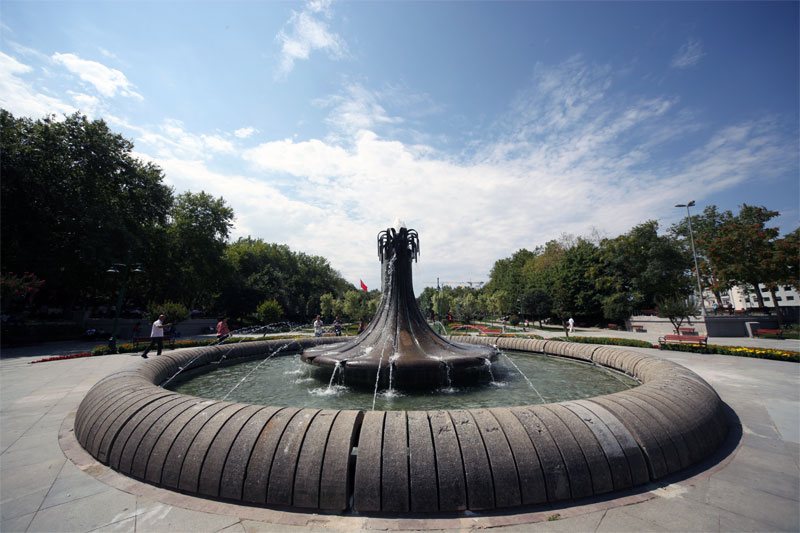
pixel 739 351
pixel 62 357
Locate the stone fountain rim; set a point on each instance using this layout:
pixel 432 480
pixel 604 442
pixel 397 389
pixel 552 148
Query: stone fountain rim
pixel 670 440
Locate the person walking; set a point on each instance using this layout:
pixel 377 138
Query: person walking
pixel 157 335
pixel 361 326
pixel 337 327
pixel 318 327
pixel 571 323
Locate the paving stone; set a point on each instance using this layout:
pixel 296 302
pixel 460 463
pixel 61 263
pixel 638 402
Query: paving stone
pixel 155 516
pixel 87 513
pixel 15 505
pixel 616 521
pixel 781 513
pixel 30 479
pixel 19 523
pixel 72 484
pixel 127 525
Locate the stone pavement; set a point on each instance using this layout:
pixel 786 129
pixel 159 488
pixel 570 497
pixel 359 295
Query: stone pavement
pixel 752 484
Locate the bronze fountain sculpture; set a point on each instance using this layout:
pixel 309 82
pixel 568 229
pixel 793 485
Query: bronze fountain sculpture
pixel 398 348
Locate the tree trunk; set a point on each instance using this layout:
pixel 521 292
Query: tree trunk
pixel 758 295
pixel 777 308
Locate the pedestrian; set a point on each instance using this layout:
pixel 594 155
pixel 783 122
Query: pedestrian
pixel 571 325
pixel 157 335
pixel 318 326
pixel 361 326
pixel 337 327
pixel 223 332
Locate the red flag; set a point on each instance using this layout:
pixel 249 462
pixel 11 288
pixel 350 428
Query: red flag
pixel 362 285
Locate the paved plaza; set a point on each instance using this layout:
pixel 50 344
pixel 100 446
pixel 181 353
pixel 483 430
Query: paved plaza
pixel 48 483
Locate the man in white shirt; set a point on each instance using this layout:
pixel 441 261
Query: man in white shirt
pixel 157 335
pixel 571 325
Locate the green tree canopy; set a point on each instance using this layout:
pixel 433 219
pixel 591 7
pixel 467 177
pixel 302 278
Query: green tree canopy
pixel 258 271
pixel 199 225
pixel 640 267
pixel 74 200
pixel 743 250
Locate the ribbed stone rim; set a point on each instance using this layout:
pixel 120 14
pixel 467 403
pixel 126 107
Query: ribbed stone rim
pixel 402 461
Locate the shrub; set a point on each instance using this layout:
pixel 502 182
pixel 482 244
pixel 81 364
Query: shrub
pixel 176 312
pixel 269 312
pixel 605 340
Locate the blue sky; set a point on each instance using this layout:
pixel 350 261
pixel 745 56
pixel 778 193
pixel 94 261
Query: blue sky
pixel 488 127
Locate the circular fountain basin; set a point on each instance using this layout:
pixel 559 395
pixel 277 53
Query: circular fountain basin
pixel 443 460
pixel 517 378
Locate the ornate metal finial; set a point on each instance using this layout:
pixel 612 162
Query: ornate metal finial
pixel 395 242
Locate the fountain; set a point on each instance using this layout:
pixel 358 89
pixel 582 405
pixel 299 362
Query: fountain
pixel 398 349
pixel 424 459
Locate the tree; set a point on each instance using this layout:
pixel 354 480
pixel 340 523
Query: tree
pixel 676 310
pixel 562 305
pixel 197 233
pixel 537 304
pixel 441 304
pixel 269 312
pixel 705 227
pixel 638 268
pixel 506 274
pixel 425 302
pixel 175 311
pixel 327 305
pixel 74 200
pixel 743 250
pixel 256 271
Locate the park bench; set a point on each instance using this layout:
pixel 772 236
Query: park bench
pixel 768 332
pixel 168 338
pixel 638 328
pixel 683 339
pixel 687 331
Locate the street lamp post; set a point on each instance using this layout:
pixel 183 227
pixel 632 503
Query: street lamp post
pixel 694 254
pixel 126 268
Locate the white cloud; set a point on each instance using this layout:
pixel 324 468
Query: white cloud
pixel 171 141
pixel 107 81
pixel 355 109
pixel 689 54
pixel 18 96
pixel 571 154
pixel 590 168
pixel 243 133
pixel 306 32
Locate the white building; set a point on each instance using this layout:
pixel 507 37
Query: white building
pixel 743 297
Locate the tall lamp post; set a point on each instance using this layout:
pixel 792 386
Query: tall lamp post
pixel 694 254
pixel 126 268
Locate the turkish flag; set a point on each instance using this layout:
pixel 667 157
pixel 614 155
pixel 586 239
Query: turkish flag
pixel 362 285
